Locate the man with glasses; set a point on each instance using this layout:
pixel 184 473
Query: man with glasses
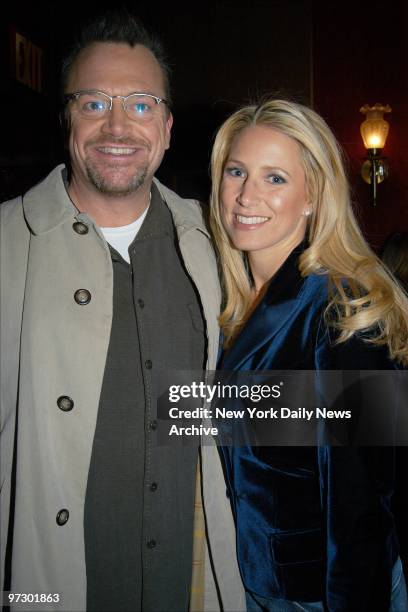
pixel 110 278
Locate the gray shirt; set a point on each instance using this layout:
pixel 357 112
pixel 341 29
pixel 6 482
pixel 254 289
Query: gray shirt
pixel 140 496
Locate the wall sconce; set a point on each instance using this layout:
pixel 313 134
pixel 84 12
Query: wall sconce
pixel 374 132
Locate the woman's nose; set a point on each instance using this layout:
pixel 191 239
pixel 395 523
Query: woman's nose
pixel 248 196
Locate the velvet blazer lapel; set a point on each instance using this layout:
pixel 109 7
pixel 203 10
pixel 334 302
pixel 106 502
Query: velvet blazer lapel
pixel 277 307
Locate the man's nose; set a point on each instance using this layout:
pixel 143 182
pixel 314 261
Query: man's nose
pixel 116 121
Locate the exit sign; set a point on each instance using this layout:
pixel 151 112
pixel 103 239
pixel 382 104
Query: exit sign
pixel 27 61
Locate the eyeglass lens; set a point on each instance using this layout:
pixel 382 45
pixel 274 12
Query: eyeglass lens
pixel 95 105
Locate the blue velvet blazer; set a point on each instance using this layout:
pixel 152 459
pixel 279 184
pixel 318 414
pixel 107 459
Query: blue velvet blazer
pixel 313 523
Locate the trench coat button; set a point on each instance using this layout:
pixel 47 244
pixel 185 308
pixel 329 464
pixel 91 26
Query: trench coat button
pixel 151 544
pixel 148 364
pixel 82 296
pixel 141 303
pixel 80 228
pixel 65 403
pixel 62 517
pixel 153 425
pixel 153 487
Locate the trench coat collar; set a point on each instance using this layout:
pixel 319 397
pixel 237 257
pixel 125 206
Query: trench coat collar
pixel 48 205
pixel 281 299
pixel 186 214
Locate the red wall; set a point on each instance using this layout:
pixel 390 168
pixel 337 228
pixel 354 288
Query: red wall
pixel 360 56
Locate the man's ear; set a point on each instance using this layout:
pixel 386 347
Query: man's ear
pixel 169 124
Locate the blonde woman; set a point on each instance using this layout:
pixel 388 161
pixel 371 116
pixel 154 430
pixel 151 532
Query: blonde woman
pixel 303 291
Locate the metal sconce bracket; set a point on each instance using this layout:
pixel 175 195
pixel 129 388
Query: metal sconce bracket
pixel 374 171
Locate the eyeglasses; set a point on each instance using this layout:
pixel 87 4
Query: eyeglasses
pixel 93 104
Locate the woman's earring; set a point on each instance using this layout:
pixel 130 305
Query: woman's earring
pixel 307 213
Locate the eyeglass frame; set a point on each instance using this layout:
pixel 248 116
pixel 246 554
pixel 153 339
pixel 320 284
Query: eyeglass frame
pixel 75 95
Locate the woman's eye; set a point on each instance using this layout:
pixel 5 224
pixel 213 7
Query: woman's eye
pixel 233 171
pixel 276 179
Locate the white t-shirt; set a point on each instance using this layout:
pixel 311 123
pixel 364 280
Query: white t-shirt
pixel 122 237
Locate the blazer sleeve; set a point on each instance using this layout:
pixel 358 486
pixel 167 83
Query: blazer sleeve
pixel 356 484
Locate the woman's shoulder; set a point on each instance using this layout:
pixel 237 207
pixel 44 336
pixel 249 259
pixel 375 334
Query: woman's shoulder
pixel 356 353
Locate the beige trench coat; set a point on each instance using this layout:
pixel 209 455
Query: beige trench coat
pixel 43 261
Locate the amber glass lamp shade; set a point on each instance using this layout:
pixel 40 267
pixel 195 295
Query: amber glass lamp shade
pixel 374 130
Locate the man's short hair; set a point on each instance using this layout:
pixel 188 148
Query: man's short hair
pixel 116 26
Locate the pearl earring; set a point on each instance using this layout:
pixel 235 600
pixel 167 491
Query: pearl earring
pixel 307 213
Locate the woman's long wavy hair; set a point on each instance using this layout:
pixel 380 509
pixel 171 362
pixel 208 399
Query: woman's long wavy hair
pixel 364 297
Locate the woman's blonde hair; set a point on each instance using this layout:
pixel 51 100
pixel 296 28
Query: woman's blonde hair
pixel 395 257
pixel 364 296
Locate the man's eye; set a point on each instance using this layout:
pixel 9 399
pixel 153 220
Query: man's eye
pixel 94 106
pixel 236 172
pixel 140 108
